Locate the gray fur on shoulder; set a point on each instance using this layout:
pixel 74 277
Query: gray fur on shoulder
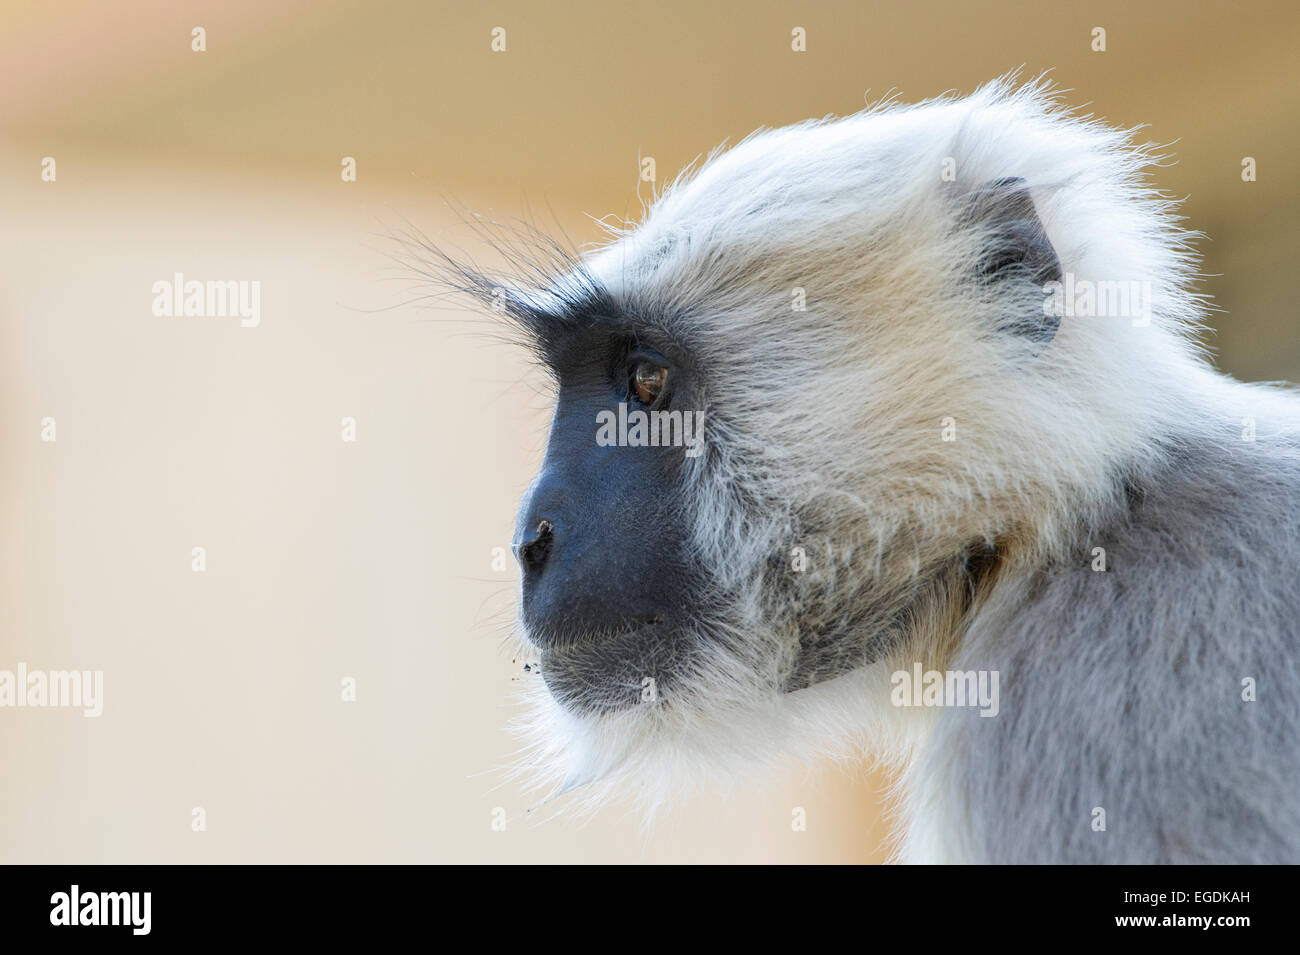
pixel 1122 691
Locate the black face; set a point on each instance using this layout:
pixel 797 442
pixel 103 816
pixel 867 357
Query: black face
pixel 609 594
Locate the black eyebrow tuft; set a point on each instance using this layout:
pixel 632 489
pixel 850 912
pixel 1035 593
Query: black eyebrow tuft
pixel 544 293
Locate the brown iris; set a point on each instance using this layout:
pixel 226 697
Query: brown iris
pixel 648 380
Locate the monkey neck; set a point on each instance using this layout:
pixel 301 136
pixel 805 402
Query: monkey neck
pixel 936 624
pixel 918 618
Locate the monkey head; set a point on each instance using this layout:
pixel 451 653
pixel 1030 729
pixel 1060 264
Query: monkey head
pixel 801 403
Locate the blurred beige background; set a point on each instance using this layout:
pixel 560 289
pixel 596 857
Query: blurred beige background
pixel 373 559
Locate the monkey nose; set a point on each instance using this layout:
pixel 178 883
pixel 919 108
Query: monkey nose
pixel 532 553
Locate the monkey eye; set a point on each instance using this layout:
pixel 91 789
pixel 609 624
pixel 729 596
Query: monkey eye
pixel 648 380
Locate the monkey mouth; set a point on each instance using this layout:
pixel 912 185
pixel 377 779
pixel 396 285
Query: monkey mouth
pixel 569 637
pixel 615 670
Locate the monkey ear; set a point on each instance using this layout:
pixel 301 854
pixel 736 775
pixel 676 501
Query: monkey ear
pixel 1018 248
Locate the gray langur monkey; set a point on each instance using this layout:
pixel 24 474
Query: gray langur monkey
pixel 953 436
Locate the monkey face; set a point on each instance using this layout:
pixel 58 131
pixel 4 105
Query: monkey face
pixel 611 596
pixel 664 567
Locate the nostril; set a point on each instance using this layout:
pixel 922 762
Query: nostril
pixel 533 553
